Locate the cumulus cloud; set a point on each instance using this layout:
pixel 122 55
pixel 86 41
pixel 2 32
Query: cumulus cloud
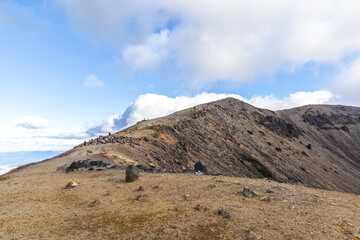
pixel 293 100
pixel 104 127
pixel 92 81
pixel 347 83
pixel 149 106
pixel 18 19
pixel 150 54
pixel 30 122
pixel 229 39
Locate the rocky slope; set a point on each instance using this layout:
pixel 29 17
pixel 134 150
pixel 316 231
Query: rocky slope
pixel 316 146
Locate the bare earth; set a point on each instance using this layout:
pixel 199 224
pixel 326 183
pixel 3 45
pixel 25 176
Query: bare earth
pixel 34 204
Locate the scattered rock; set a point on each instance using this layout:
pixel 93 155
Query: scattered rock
pixel 304 153
pixel 281 188
pixel 72 184
pixel 248 192
pixel 140 189
pixel 202 167
pixel 278 149
pixel 201 208
pixel 309 146
pixel 132 173
pixel 267 199
pixel 269 191
pixel 186 197
pixel 95 203
pixel 253 236
pixel 142 197
pixel 224 213
pixel 345 128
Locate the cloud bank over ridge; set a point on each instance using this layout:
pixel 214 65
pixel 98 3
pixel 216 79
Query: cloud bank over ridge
pixel 149 106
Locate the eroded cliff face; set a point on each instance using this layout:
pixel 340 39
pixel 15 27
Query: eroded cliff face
pixel 317 146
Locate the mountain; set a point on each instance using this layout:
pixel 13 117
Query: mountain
pixel 316 146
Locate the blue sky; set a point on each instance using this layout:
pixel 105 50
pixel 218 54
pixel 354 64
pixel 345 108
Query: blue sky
pixel 69 67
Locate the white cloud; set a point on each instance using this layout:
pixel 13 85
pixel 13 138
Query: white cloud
pixel 347 83
pixel 151 106
pixel 228 39
pixel 104 127
pixel 18 19
pixel 30 122
pixel 293 100
pixel 148 55
pixel 92 81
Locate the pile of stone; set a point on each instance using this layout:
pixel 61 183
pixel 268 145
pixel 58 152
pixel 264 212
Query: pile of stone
pixel 90 165
pixel 100 165
pixel 110 139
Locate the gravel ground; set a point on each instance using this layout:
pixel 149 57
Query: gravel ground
pixel 34 204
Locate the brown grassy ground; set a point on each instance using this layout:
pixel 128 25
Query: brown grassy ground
pixel 35 205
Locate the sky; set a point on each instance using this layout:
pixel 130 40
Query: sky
pixel 71 70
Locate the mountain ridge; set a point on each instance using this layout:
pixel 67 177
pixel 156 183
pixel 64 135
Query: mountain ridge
pixel 313 145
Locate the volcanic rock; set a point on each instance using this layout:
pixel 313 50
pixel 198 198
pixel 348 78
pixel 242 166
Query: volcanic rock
pixel 132 173
pixel 248 192
pixel 202 167
pixel 72 184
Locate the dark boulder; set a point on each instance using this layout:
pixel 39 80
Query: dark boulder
pixel 89 164
pixel 77 165
pixel 132 173
pixel 202 167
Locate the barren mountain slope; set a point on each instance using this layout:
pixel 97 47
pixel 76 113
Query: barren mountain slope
pixel 317 146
